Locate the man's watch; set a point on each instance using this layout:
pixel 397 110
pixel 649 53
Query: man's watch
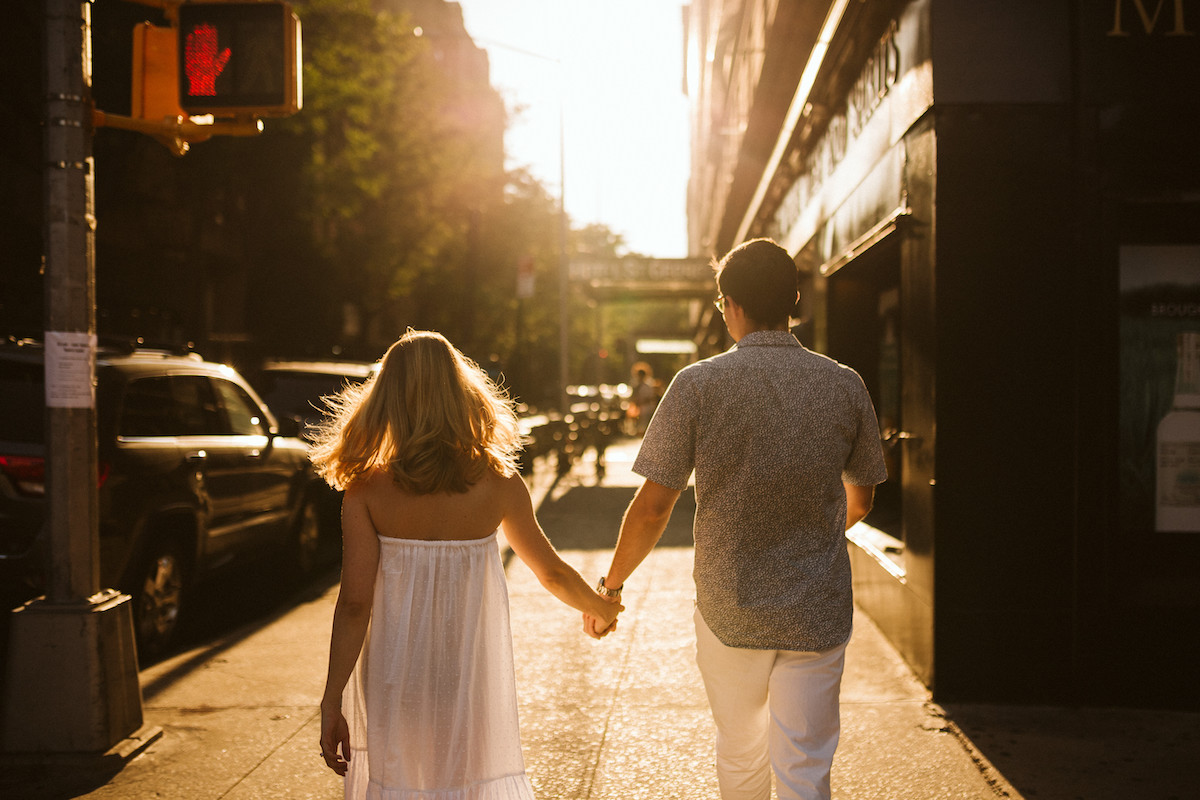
pixel 607 592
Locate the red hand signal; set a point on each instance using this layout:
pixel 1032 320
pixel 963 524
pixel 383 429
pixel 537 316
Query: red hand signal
pixel 202 62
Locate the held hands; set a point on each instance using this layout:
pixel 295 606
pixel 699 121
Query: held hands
pixel 600 625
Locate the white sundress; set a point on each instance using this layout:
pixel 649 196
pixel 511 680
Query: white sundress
pixel 433 697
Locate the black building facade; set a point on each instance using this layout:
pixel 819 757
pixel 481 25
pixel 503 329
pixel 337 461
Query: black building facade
pixel 995 210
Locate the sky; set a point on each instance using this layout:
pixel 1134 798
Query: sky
pixel 613 73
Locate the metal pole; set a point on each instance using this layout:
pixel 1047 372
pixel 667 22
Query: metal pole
pixel 69 232
pixel 72 680
pixel 563 263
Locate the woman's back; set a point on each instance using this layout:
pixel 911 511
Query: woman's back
pixel 398 514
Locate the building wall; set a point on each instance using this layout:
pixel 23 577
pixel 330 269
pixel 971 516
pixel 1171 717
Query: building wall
pixel 970 190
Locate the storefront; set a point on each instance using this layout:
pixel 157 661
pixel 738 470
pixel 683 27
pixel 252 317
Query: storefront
pixel 995 209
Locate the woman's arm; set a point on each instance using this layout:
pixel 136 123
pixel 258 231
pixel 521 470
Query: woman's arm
pixel 351 616
pixel 529 542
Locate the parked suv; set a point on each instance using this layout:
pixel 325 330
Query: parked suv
pixel 194 475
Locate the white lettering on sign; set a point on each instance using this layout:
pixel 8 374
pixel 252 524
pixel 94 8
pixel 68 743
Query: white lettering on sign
pixel 70 365
pixel 1175 310
pixel 651 270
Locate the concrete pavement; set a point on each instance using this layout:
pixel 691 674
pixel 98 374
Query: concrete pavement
pixel 625 717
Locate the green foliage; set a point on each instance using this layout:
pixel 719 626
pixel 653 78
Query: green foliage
pixel 374 158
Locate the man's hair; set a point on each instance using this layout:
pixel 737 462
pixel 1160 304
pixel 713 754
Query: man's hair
pixel 431 417
pixel 759 276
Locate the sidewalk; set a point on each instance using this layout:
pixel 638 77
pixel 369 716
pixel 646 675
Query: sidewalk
pixel 624 717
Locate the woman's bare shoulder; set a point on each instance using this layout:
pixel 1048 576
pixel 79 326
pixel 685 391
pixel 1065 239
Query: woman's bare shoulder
pixel 370 483
pixel 511 488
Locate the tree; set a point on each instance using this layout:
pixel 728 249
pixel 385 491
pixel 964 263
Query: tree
pixel 382 204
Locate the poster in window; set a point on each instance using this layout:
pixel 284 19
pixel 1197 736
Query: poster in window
pixel 1159 435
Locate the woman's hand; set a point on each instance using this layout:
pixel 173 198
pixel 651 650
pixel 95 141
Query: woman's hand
pixel 597 626
pixel 335 739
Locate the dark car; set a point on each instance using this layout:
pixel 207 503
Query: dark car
pixel 293 390
pixel 194 475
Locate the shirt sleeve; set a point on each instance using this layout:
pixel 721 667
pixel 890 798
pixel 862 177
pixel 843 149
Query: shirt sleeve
pixel 865 465
pixel 668 452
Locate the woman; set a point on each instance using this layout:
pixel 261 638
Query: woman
pixel 426 453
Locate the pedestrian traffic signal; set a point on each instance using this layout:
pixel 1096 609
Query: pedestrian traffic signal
pixel 239 59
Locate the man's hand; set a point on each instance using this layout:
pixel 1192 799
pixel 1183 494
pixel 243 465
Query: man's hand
pixel 595 627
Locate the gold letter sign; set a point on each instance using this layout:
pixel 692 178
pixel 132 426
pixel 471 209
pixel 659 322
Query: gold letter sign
pixel 1149 21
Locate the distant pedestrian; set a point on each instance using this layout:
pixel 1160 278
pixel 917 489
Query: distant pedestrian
pixel 785 448
pixel 643 399
pixel 426 453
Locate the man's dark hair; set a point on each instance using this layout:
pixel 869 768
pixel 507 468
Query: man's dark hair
pixel 759 276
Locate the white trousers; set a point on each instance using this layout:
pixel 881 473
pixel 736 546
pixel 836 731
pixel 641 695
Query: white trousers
pixel 775 710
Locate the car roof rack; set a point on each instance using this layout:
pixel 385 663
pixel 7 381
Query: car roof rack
pixel 118 345
pixel 132 345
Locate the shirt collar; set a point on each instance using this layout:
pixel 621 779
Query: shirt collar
pixel 768 339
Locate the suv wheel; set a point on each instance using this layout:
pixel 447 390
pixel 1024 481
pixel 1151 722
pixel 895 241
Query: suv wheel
pixel 158 597
pixel 305 541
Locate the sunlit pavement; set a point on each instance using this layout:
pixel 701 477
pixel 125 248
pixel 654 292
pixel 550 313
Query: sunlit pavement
pixel 624 717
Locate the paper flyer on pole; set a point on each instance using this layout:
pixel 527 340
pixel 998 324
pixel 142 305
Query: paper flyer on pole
pixel 70 365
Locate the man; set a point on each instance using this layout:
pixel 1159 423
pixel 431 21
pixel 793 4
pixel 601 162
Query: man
pixel 785 447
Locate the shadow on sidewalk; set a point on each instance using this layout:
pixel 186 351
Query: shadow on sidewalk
pixel 589 517
pixel 1093 753
pixel 233 611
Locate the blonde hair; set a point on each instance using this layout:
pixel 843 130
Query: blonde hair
pixel 430 416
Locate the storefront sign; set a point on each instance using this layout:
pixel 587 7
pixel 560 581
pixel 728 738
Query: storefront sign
pixel 881 70
pixel 1138 51
pixel 877 78
pixel 1149 18
pixel 642 270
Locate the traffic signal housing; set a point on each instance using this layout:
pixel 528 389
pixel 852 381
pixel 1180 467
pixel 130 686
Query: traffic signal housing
pixel 155 89
pixel 239 59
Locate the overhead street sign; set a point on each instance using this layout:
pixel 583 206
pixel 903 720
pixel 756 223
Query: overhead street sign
pixel 633 269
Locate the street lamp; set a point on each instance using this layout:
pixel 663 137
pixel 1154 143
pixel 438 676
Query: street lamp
pixel 564 227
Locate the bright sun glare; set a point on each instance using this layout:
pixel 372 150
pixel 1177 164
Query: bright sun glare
pixel 613 71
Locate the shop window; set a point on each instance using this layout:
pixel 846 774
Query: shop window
pixel 865 327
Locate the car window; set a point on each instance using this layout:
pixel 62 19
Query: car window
pixel 298 394
pixel 22 402
pixel 243 415
pixel 170 405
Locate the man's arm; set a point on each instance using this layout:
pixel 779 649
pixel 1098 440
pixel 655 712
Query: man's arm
pixel 642 527
pixel 859 500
